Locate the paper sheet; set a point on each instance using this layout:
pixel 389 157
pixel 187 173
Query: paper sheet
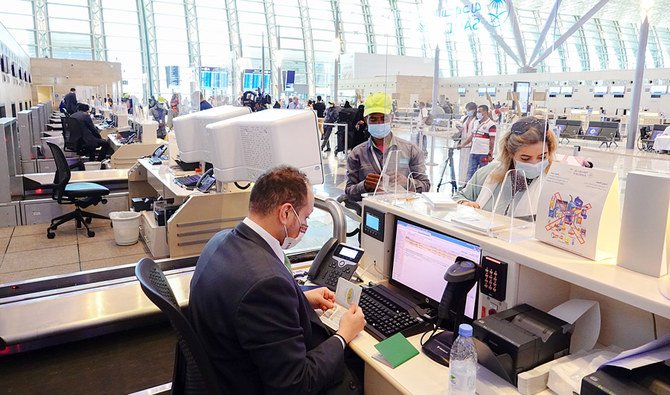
pixel 652 352
pixel 346 294
pixel 585 316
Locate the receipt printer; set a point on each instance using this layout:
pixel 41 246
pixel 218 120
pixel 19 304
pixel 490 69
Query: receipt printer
pixel 522 338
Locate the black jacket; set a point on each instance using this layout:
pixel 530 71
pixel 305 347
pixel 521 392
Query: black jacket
pixel 89 133
pixel 70 103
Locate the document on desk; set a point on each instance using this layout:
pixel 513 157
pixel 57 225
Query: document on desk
pixel 647 354
pixel 346 294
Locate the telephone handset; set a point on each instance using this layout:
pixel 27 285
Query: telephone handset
pixel 333 261
pixel 206 181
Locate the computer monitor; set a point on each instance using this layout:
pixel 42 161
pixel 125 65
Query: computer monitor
pixel 191 134
pixel 592 131
pixel 560 129
pixel 245 147
pixel 421 257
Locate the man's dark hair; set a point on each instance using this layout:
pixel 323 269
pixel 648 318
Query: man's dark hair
pixel 72 89
pixel 318 98
pixel 82 107
pixel 484 106
pixel 471 106
pixel 283 184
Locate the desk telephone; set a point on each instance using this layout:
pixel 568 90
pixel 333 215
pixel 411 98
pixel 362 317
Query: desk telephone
pixel 333 261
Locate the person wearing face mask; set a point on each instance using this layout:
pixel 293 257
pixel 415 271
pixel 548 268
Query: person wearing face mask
pixel 482 141
pixel 530 149
pixel 466 128
pixel 258 327
pixel 366 160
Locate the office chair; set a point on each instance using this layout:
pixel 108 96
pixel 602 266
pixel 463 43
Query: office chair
pixel 193 371
pixel 81 194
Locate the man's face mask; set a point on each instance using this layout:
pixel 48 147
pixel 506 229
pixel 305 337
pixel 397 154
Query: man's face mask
pixel 290 242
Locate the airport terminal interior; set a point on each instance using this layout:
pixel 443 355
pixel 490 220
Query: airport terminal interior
pixel 488 173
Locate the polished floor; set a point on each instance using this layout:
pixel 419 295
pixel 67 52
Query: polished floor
pixel 26 253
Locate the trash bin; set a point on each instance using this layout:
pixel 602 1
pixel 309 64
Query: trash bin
pixel 126 227
pixel 92 165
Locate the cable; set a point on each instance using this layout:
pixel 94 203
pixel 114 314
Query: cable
pixel 653 318
pixel 242 187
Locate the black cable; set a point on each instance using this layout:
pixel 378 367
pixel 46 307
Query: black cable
pixel 653 318
pixel 242 187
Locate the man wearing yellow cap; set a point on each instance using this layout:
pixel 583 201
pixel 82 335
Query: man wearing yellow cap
pixel 366 160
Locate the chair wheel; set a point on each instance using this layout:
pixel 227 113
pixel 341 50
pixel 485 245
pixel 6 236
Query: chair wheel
pixel 90 233
pixel 88 220
pixel 50 235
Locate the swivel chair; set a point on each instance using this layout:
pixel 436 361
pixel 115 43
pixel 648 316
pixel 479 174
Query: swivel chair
pixel 193 372
pixel 81 194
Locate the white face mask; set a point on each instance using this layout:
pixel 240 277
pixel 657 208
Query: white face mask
pixel 290 242
pixel 479 116
pixel 531 170
pixel 470 113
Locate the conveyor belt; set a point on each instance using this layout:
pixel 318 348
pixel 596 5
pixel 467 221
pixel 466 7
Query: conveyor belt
pixel 73 307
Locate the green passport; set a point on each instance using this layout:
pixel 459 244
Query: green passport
pixel 396 350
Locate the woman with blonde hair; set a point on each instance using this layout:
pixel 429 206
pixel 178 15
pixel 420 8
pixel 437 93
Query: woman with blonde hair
pixel 530 149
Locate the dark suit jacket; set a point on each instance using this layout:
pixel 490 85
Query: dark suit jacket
pixel 258 328
pixel 319 107
pixel 89 133
pixel 70 102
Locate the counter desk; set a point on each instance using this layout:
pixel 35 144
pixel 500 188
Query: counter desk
pixel 125 155
pixel 198 218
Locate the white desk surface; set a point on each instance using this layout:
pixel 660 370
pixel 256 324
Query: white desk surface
pixel 662 143
pixel 603 277
pixel 82 176
pixel 112 138
pixel 167 179
pixel 55 125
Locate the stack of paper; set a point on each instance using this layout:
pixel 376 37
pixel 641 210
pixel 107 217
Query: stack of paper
pixel 437 199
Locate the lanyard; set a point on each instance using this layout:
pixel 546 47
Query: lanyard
pixel 374 156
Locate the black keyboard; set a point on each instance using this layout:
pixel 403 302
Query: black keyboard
pixel 385 317
pixel 187 181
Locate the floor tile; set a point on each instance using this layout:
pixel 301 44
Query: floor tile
pixel 115 261
pixel 37 273
pixel 4 242
pixel 40 241
pixel 66 228
pixel 6 232
pixel 106 249
pixel 28 260
pixel 101 233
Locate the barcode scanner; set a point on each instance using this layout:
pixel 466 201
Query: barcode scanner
pixel 461 277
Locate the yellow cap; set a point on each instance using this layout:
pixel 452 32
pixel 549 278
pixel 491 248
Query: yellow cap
pixel 379 102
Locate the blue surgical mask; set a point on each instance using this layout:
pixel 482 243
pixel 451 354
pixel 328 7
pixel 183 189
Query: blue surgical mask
pixel 479 116
pixel 379 131
pixel 531 170
pixel 470 113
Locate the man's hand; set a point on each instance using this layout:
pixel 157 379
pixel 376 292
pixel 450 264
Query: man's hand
pixel 371 181
pixel 469 203
pixel 320 298
pixel 352 322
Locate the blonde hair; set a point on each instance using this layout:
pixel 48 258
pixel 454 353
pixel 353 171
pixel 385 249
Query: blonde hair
pixel 525 131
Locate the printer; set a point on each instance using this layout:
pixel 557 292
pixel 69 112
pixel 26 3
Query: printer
pixel 522 338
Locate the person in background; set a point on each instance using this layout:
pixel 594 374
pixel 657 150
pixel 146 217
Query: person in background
pixel 347 104
pixel 277 104
pixel 110 102
pixel 204 104
pixel 174 109
pixel 482 141
pixel 258 327
pixel 330 116
pixel 61 106
pixel 528 148
pixel 295 104
pixel 90 134
pixel 466 127
pixel 364 163
pixel 71 101
pixel 310 104
pixel 159 111
pixel 319 107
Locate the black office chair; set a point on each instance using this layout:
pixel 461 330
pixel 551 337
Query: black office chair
pixel 81 194
pixel 193 371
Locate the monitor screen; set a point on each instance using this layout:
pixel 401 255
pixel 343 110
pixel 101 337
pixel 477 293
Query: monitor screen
pixel 244 147
pixel 656 133
pixel 491 90
pixel 600 90
pixel 560 129
pixel 461 91
pixel 592 131
pixel 618 90
pixel 421 257
pixel 481 91
pixel 566 90
pixel 554 90
pixel 658 89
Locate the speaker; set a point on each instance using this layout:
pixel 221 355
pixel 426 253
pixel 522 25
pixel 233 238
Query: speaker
pixel 645 225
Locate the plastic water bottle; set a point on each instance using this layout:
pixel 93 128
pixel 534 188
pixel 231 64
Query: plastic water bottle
pixel 463 363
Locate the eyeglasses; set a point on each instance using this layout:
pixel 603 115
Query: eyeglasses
pixel 522 126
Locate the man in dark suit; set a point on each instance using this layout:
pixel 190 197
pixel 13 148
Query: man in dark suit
pixel 71 101
pixel 260 330
pixel 90 134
